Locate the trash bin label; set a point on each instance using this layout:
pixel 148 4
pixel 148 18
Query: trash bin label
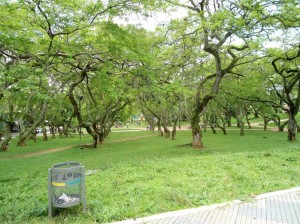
pixel 57 184
pixel 75 181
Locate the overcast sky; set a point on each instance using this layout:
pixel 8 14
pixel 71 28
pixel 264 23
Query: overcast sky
pixel 152 21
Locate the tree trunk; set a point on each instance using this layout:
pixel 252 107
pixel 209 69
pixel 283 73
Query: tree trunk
pixel 242 126
pixel 106 132
pixel 277 122
pixel 59 132
pixel 99 131
pixel 247 119
pixel 204 124
pixel 52 131
pixel 76 108
pixel 228 117
pixel 229 122
pixel 174 133
pixel 199 107
pixel 65 130
pixel 238 124
pixel 174 129
pixel 160 132
pixel 7 138
pixel 223 127
pixel 281 127
pixel 4 143
pixel 45 137
pixel 24 135
pixel 22 141
pixel 239 116
pixel 101 138
pixel 167 132
pixel 33 136
pixel 213 128
pixel 93 134
pixel 196 129
pixel 95 141
pixel 266 121
pixel 256 115
pixel 197 136
pixel 150 119
pixel 212 123
pixel 292 128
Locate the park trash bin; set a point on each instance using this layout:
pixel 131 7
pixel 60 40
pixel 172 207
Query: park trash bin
pixel 66 186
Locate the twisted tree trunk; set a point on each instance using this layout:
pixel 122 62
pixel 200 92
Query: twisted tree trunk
pixel 74 103
pixel 24 135
pixel 195 119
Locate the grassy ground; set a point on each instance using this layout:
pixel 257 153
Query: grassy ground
pixel 148 175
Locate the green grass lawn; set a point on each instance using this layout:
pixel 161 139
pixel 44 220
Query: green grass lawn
pixel 149 175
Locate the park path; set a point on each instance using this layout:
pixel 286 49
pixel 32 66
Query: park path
pixel 31 154
pixel 279 207
pixel 47 151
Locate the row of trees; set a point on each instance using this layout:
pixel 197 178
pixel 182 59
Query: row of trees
pixel 68 62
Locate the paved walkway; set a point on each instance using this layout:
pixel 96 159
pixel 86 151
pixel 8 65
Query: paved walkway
pixel 281 207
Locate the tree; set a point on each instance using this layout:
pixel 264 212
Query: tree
pixel 219 23
pixel 286 67
pixel 160 84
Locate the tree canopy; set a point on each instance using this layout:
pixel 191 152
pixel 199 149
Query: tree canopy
pixel 71 63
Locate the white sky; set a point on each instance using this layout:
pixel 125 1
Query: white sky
pixel 152 21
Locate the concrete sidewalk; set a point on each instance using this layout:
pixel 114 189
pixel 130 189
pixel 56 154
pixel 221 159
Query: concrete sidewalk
pixel 281 207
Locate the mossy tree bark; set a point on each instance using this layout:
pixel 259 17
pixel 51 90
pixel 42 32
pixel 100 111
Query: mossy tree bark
pixel 195 120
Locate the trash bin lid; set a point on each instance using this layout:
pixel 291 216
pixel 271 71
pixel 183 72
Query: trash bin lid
pixel 66 166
